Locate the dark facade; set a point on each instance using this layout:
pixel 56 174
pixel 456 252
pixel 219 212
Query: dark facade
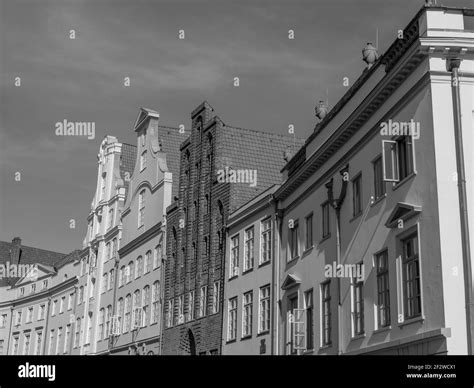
pixel 196 224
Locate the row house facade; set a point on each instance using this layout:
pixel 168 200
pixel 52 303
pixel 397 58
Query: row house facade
pixel 36 308
pixel 371 253
pixel 368 252
pixel 221 168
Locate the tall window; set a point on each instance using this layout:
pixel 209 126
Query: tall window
pixel 58 340
pixel 191 306
pixel 308 299
pixel 128 311
pixel 170 317
pixel 405 156
pixel 325 219
pixel 101 324
pixel 136 309
pixel 138 267
pixel 157 257
pixel 29 314
pixel 111 219
pixel 232 319
pixel 203 301
pixel 234 257
pixel 67 336
pixel 81 295
pixel 247 307
pixel 141 208
pixel 357 306
pixel 111 281
pixel 180 309
pixel 155 302
pixel 108 318
pixel 38 343
pixel 216 297
pixel 309 231
pixel 146 305
pixel 108 252
pixel 26 344
pixel 114 247
pixel 148 262
pixel 61 305
pixel 104 282
pixel 77 332
pixel 120 311
pixel 292 310
pixel 70 301
pixel 16 341
pixel 326 313
pixel 129 272
pixel 143 160
pixel 50 344
pixel 383 289
pixel 411 277
pixel 121 278
pixel 266 240
pixel 379 183
pixel 293 240
pixel 248 249
pixel 264 309
pixel 357 195
pixel 53 308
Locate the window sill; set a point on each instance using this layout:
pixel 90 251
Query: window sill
pixel 409 321
pixel 379 199
pixel 403 181
pixel 264 263
pixel 383 329
pixel 327 237
pixel 355 217
pixel 307 251
pixel 308 352
pixel 247 271
pixel 233 277
pixel 231 341
pixel 324 347
pixel 246 337
pixel 265 332
pixel 293 259
pixel 358 337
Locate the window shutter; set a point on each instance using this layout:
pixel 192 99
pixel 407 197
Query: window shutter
pixel 390 161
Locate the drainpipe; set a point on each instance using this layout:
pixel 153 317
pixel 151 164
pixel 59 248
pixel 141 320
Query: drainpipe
pixel 162 285
pixel 116 270
pixel 336 205
pixel 452 65
pixel 274 348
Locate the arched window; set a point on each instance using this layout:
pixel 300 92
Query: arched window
pixel 108 317
pixel 127 316
pixel 138 267
pixel 155 302
pixel 136 309
pixel 141 208
pixel 148 262
pixel 122 276
pixel 157 257
pixel 120 312
pixel 130 275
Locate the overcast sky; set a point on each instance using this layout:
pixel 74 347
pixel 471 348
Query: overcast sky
pixel 281 80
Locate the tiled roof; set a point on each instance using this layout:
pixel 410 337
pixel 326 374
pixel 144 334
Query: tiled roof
pixel 255 150
pixel 171 140
pixel 128 158
pixel 29 255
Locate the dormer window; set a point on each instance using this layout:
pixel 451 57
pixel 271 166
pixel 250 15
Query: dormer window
pixel 143 160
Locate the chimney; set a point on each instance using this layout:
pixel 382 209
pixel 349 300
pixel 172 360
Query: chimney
pixel 15 251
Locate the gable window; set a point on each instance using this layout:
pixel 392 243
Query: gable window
pixel 411 277
pixel 266 241
pixel 232 319
pixel 143 160
pixel 383 289
pixel 357 195
pixel 141 208
pixel 248 249
pixel 234 257
pixel 293 240
pixel 379 183
pixel 325 219
pixel 309 231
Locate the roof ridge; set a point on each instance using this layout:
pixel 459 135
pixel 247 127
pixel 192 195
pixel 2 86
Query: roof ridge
pixel 40 249
pixel 265 132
